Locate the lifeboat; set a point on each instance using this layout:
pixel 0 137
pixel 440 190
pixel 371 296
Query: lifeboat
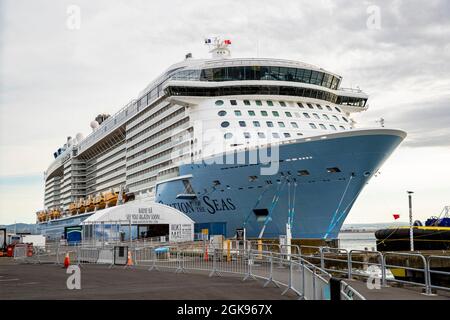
pixel 99 202
pixel 80 206
pixel 73 208
pixel 89 204
pixel 112 197
pixel 55 214
pixel 41 216
pixel 48 216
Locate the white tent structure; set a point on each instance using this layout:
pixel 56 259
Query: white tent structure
pixel 142 212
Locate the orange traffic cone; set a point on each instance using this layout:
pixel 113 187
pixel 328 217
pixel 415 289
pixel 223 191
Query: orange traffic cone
pixel 206 253
pixel 66 261
pixel 129 260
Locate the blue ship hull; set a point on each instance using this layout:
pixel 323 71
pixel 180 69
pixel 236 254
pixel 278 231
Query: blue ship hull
pixel 224 196
pixel 322 199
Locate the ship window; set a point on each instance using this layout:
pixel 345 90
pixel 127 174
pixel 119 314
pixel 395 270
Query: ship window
pixel 281 124
pixel 287 135
pixel 345 119
pixel 335 118
pixel 316 116
pixel 233 102
pixel 329 108
pixel 246 102
pixel 342 127
pixel 242 124
pixel 282 103
pixel 300 105
pixel 306 115
pixel 299 133
pixel 219 102
pixel 222 113
pixel 269 124
pixel 258 102
pixel 256 124
pixel 333 127
pixel 275 135
pixel 337 109
pixel 261 135
pixel 288 114
pixel 247 135
pixel 319 106
pixel 303 173
pixel 270 103
pixel 310 105
pixel 252 178
pixel 312 125
pixel 275 113
pixel 326 117
pixel 228 135
pixel 264 113
pixel 294 124
pixel 251 113
pixel 225 124
pixel 322 126
pixel 237 113
pixel 333 170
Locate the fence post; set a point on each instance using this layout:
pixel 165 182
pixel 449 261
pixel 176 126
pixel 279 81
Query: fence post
pixel 270 280
pixel 427 276
pixel 349 264
pixel 249 266
pixel 383 271
pixel 322 262
pixel 214 270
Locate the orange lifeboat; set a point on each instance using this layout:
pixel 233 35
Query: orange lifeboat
pixel 89 204
pixel 99 202
pixel 73 208
pixel 80 206
pixel 112 197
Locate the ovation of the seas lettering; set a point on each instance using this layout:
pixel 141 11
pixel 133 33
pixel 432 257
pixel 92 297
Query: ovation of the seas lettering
pixel 206 204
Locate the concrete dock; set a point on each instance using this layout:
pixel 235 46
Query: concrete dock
pixel 48 281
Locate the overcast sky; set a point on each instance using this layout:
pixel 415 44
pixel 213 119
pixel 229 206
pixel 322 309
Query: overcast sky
pixel 55 78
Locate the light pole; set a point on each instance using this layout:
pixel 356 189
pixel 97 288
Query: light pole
pixel 411 231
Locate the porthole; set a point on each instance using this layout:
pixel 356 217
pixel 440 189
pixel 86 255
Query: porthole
pixel 228 135
pixel 367 173
pixel 222 113
pixel 219 102
pixel 225 124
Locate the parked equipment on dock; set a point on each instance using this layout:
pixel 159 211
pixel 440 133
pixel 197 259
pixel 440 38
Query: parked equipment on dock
pixel 435 235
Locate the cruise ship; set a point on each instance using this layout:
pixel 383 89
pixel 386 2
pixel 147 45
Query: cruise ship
pixel 233 143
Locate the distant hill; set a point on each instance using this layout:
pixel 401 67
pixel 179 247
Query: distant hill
pixel 20 227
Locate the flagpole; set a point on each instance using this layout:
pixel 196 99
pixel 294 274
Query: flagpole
pixel 411 230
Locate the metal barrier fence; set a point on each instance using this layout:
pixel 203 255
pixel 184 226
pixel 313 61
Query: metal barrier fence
pixel 306 275
pixel 297 275
pixel 339 261
pixel 436 273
